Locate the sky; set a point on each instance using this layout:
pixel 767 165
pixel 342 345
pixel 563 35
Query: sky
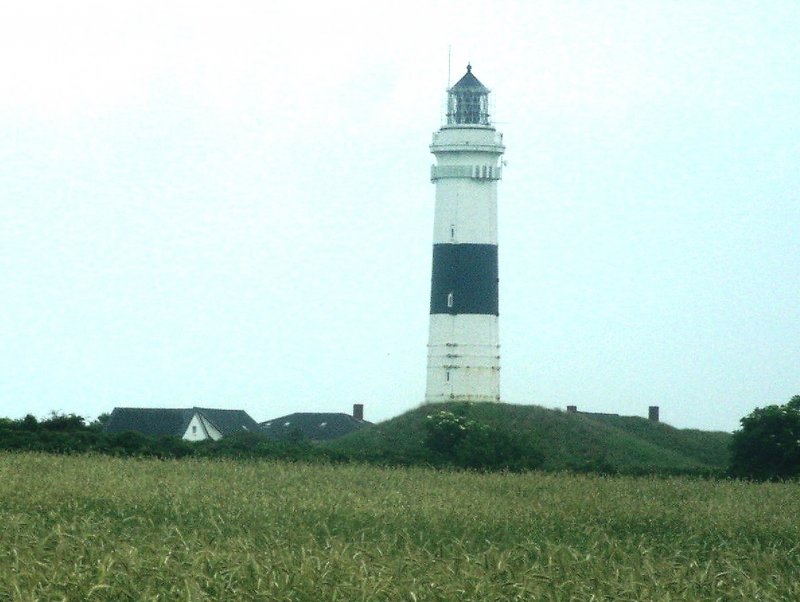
pixel 228 204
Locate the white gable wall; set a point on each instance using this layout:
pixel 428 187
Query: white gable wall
pixel 195 430
pixel 200 429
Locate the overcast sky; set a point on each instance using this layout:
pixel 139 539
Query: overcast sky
pixel 227 204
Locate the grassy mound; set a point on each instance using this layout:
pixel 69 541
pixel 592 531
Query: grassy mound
pixel 568 441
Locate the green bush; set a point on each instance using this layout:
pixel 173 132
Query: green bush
pixel 767 447
pixel 454 439
pixel 65 423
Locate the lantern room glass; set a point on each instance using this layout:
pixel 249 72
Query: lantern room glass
pixel 468 101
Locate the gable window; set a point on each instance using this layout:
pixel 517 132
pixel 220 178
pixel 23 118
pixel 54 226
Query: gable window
pixel 194 429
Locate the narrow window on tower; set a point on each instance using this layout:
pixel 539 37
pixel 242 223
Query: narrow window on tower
pixel 447 375
pixel 452 232
pixel 449 299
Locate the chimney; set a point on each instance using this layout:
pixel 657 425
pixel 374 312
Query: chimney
pixel 358 411
pixel 572 409
pixel 652 413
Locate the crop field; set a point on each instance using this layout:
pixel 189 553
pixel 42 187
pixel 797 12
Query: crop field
pixel 101 528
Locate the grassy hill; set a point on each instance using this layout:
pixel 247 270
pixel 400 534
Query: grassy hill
pixel 568 440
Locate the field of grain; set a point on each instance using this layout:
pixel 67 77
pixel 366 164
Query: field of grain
pixel 100 528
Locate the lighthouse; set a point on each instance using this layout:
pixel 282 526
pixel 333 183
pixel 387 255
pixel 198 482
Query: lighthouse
pixel 463 341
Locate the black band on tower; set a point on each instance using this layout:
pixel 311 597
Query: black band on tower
pixel 464 279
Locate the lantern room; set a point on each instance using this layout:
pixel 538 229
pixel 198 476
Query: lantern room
pixel 468 101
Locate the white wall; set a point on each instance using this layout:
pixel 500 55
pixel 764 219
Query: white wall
pixel 200 429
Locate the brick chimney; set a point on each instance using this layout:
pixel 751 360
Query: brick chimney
pixel 652 413
pixel 358 411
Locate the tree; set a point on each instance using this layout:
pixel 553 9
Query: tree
pixel 63 422
pixel 29 423
pixel 98 423
pixel 767 447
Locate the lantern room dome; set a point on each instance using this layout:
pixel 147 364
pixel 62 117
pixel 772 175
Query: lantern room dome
pixel 468 101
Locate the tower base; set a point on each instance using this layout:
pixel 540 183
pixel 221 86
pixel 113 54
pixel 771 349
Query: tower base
pixel 463 358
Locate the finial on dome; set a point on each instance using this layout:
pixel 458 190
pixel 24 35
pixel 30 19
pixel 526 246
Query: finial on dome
pixel 469 68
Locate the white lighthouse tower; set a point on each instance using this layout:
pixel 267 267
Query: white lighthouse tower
pixel 463 344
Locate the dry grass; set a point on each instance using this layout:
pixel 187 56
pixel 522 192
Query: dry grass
pixel 99 528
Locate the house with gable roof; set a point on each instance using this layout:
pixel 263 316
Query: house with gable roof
pixel 191 424
pixel 317 426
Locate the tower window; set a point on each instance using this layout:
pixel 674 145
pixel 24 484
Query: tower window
pixel 452 231
pixel 447 376
pixel 450 299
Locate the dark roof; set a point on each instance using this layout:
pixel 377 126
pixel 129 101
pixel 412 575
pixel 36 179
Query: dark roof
pixel 159 422
pixel 165 422
pixel 469 82
pixel 318 426
pixel 229 422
